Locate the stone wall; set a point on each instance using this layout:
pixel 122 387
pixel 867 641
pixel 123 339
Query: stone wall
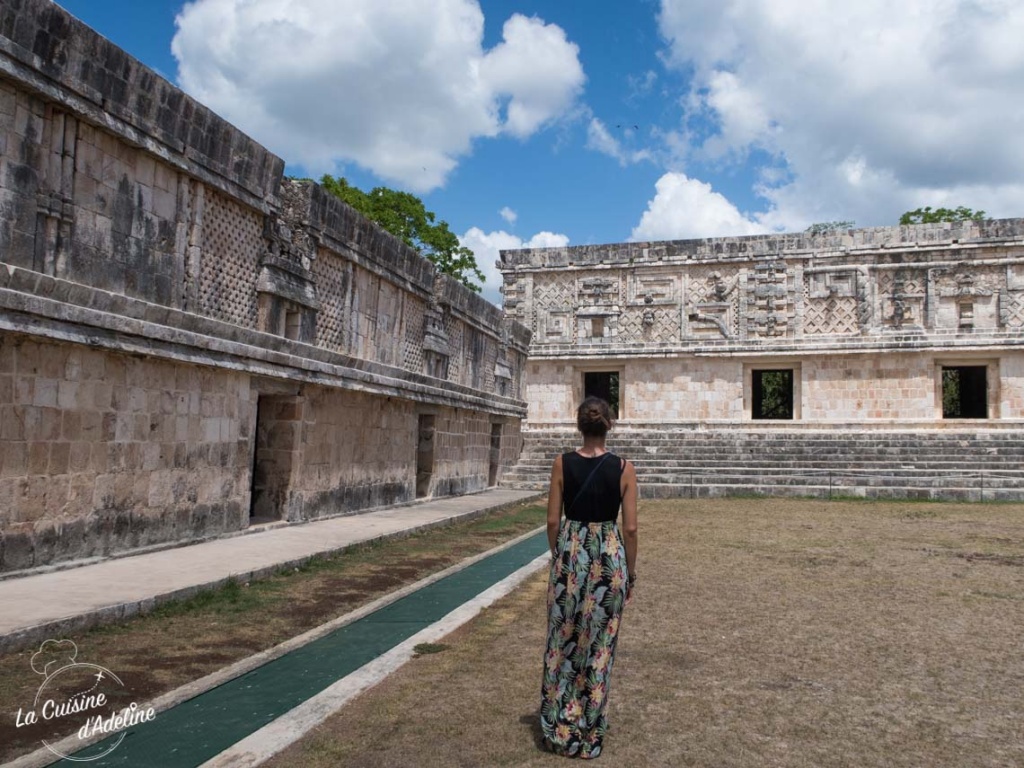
pixel 102 451
pixel 865 319
pixel 190 342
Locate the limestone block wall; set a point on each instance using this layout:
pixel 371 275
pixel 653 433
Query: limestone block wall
pixel 1010 403
pixel 867 387
pixel 685 389
pixel 187 334
pixel 871 389
pixel 550 391
pixel 461 452
pixel 356 451
pixel 102 451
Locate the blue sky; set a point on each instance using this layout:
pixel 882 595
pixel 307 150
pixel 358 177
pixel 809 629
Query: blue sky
pixel 605 122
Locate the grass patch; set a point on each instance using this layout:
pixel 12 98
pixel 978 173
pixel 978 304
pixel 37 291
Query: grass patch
pixel 184 640
pixel 425 649
pixel 775 632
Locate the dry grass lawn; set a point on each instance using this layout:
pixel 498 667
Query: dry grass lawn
pixel 763 633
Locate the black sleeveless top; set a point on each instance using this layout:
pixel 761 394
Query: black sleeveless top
pixel 602 497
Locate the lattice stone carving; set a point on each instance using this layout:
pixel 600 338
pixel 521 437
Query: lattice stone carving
pixel 332 286
pixel 832 317
pixel 414 319
pixel 650 324
pixel 553 299
pixel 1011 309
pixel 232 247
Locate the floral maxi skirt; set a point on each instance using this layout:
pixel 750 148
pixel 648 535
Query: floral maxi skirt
pixel 586 594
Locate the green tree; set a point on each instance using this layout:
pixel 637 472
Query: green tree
pixel 928 216
pixel 404 215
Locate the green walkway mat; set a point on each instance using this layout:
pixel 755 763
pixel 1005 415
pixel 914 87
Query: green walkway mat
pixel 196 730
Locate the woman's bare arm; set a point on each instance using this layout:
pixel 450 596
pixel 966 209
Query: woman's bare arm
pixel 629 533
pixel 555 505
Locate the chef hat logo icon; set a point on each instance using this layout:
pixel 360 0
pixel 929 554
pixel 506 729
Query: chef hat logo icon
pixel 54 655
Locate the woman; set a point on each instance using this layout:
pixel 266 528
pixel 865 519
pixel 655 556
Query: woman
pixel 593 571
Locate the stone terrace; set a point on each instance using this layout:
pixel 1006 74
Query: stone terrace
pixel 674 462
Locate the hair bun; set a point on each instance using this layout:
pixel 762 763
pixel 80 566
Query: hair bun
pixel 594 417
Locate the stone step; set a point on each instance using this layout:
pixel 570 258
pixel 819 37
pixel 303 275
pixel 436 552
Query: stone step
pixel 834 445
pixel 676 491
pixel 892 464
pixel 810 477
pixel 830 463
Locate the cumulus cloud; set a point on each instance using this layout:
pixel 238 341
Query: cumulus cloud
pixel 600 139
pixel 485 246
pixel 688 208
pixel 872 107
pixel 401 87
pixel 508 215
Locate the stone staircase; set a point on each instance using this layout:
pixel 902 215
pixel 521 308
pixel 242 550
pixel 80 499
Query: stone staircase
pixel 835 462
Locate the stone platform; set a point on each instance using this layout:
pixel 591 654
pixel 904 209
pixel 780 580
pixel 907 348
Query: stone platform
pixel 965 465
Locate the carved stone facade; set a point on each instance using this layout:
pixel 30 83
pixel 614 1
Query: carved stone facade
pixel 191 343
pixel 868 323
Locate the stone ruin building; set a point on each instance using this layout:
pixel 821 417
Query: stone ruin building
pixel 191 343
pixel 890 359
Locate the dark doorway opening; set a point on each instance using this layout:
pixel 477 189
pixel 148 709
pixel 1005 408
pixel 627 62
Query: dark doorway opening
pixel 964 392
pixel 424 455
pixel 603 384
pixel 492 474
pixel 772 394
pixel 274 456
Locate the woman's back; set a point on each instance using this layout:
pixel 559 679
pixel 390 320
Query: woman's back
pixel 601 497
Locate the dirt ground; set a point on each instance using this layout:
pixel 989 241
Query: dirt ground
pixel 763 633
pixel 184 641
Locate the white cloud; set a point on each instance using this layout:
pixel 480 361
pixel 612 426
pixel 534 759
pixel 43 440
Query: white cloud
pixel 688 208
pixel 399 87
pixel 600 139
pixel 537 68
pixel 508 215
pixel 485 246
pixel 874 107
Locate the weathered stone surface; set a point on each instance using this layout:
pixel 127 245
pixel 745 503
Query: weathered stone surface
pixel 164 293
pixel 866 320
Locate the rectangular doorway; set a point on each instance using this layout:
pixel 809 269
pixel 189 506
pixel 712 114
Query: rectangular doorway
pixel 772 394
pixel 603 384
pixel 424 455
pixel 274 456
pixel 492 474
pixel 964 392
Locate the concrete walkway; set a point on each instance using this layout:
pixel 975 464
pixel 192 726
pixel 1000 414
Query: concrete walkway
pixel 47 605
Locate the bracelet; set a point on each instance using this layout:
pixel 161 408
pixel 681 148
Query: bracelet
pixel 632 579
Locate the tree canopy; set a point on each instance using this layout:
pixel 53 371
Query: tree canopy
pixel 927 215
pixel 404 215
